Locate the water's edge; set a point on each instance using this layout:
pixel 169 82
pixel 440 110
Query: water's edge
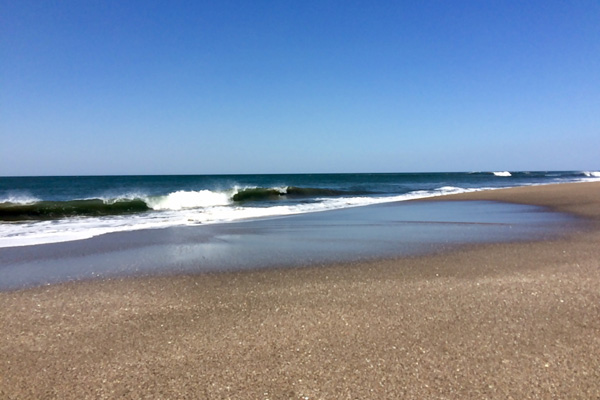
pixel 347 235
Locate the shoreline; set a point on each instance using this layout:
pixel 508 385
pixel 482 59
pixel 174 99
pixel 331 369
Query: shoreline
pixel 494 320
pixel 375 232
pixel 555 197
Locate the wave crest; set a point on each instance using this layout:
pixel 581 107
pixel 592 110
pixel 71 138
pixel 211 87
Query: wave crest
pixel 19 199
pixel 502 173
pixel 291 192
pixel 258 194
pixel 592 174
pixel 182 199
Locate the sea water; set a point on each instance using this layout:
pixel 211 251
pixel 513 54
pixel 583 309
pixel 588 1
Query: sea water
pixel 42 210
pixel 310 239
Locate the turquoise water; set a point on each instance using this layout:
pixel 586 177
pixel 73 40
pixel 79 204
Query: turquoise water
pixel 38 210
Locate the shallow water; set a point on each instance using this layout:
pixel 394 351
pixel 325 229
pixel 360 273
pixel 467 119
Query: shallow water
pixel 354 234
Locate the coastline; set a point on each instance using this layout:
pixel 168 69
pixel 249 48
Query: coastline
pixel 496 320
pixel 578 198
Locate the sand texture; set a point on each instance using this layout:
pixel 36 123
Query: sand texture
pixel 498 321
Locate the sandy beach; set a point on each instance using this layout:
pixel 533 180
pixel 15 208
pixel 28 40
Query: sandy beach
pixel 487 321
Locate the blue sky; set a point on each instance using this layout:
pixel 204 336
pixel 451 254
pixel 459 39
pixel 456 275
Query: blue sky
pixel 193 87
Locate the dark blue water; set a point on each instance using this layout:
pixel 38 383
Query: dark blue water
pixel 107 187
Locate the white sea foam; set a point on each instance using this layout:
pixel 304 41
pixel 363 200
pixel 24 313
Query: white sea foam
pixel 188 207
pixel 592 174
pixel 43 232
pixel 281 189
pixel 502 173
pixel 19 198
pixel 189 199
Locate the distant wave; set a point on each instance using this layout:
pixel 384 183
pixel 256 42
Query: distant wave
pixel 502 173
pixel 591 174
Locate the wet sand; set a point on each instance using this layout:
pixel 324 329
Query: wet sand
pixel 510 320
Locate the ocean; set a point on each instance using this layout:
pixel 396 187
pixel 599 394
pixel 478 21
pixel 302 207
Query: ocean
pixel 41 210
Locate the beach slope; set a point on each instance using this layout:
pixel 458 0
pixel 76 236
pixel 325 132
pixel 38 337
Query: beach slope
pixel 510 320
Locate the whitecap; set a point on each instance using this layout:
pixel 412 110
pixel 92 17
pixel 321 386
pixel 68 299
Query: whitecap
pixel 182 199
pixel 592 174
pixel 19 198
pixel 502 173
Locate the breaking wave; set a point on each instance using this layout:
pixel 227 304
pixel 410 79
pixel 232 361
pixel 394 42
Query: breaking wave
pixel 502 173
pixel 182 200
pixel 591 174
pixel 35 210
pixel 49 222
pixel 48 210
pixel 260 194
pixel 58 212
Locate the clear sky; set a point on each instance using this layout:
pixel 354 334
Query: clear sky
pixel 199 87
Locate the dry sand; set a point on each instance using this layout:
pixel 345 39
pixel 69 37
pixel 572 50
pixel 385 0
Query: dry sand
pixel 503 321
